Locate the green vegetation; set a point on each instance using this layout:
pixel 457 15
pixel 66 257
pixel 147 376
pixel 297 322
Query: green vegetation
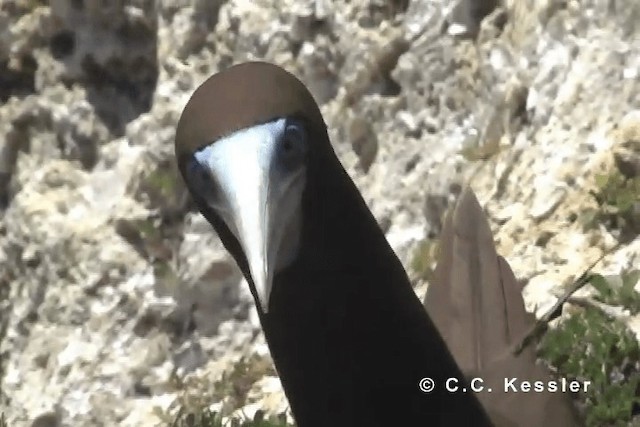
pixel 161 185
pixel 618 199
pixel 618 290
pixel 207 418
pixel 235 385
pixel 231 389
pixel 590 346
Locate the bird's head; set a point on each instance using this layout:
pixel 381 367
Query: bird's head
pixel 243 145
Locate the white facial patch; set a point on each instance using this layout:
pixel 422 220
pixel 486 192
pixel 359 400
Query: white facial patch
pixel 258 198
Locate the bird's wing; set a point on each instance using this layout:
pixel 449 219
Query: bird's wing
pixel 477 305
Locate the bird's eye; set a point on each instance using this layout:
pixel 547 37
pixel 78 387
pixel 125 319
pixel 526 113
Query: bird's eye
pixel 293 144
pixel 200 177
pixel 294 135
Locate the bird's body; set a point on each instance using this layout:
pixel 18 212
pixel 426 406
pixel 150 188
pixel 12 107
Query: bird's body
pixel 350 339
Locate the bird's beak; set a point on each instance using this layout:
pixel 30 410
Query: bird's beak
pixel 259 203
pixel 251 221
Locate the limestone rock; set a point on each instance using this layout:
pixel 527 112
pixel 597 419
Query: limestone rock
pixel 118 303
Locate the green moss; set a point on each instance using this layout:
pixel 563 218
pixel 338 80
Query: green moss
pixel 618 198
pixel 163 190
pixel 148 229
pixel 162 182
pixel 588 346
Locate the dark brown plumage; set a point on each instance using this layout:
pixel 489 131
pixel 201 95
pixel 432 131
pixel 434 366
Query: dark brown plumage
pixel 349 338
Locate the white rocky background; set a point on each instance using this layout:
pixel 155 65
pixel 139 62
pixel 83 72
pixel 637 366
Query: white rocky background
pixel 118 302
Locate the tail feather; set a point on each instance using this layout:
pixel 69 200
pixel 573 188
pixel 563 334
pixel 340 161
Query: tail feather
pixel 477 305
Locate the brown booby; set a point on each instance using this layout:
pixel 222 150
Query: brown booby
pixel 349 338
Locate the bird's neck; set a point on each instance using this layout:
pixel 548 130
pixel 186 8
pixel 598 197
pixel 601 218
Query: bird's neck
pixel 346 331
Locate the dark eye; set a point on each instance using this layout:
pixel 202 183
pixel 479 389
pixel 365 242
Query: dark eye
pixel 200 177
pixel 293 144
